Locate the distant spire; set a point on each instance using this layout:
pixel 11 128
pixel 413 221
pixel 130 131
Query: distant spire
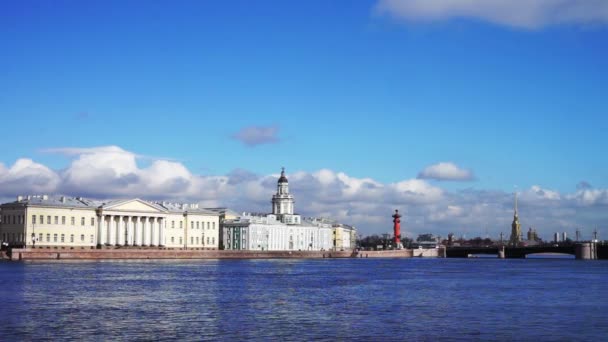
pixel 515 203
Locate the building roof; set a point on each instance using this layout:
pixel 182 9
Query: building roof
pixel 85 203
pixel 55 201
pixel 185 207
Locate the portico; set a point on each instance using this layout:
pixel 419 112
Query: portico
pixel 131 223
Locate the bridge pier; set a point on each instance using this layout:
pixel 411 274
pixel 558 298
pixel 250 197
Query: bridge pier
pixel 586 251
pixel 501 253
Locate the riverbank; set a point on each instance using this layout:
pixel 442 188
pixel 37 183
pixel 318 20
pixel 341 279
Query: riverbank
pixel 102 254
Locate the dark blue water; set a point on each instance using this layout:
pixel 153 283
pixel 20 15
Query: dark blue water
pixel 360 299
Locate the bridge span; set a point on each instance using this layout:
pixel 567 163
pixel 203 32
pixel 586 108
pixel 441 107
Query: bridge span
pixel 580 251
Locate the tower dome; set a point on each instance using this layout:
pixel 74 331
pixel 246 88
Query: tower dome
pixel 283 179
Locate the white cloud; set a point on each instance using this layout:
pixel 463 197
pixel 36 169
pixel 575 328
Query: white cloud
pixel 27 176
pixel 257 135
pixel 590 197
pixel 446 171
pixel 529 14
pixel 104 173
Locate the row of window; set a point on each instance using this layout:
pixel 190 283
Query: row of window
pixel 210 240
pixel 12 219
pixel 13 238
pixel 18 237
pixel 193 225
pixel 48 238
pixel 63 220
pixel 40 219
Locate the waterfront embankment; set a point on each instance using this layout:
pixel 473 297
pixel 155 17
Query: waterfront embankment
pixel 75 254
pixel 112 254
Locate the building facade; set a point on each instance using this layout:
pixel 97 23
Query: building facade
pixel 283 229
pixel 43 221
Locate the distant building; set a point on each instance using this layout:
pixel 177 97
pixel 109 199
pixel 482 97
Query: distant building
pixel 69 222
pixel 515 227
pixel 532 235
pixel 284 230
pixel 556 237
pixel 426 241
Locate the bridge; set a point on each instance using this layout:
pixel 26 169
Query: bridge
pixel 580 251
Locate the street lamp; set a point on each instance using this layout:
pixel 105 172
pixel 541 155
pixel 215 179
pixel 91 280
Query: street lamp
pixel 33 235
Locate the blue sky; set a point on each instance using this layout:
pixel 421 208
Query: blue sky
pixel 379 90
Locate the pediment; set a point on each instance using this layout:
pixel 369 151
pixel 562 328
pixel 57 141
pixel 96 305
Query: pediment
pixel 135 205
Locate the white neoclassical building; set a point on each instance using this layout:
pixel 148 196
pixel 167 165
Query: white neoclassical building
pixel 60 221
pixel 283 230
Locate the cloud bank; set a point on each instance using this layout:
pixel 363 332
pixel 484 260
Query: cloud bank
pixel 112 172
pixel 257 135
pixel 446 171
pixel 530 14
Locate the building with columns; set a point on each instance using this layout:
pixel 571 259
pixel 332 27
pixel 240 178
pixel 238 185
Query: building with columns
pixel 283 229
pixel 43 221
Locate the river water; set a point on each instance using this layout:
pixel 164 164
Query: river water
pixel 327 299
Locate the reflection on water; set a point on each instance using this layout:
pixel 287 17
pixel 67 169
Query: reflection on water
pixel 369 299
pixel 550 256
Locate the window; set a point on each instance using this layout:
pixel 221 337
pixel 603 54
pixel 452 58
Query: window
pixel 33 219
pixel 82 238
pixel 41 219
pixel 48 237
pixel 197 225
pixel 213 225
pixel 92 239
pixel 172 239
pixel 73 221
pixel 207 240
pixel 180 241
pixel 192 225
pixel 48 219
pixel 72 238
pixel 56 219
pixel 197 240
pixel 180 224
pixel 93 221
pixel 63 220
pixel 54 237
pixel 40 237
pixel 62 238
pixel 172 225
pixel 82 221
pixel 191 240
pixel 213 240
pixel 207 225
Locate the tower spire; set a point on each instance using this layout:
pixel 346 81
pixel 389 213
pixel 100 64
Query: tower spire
pixel 515 227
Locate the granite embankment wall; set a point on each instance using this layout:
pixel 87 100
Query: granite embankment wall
pixel 404 253
pixel 101 254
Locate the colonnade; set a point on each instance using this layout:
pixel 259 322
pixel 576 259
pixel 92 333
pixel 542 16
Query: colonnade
pixel 123 230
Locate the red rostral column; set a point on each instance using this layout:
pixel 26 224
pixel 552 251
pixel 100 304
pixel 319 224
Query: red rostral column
pixel 397 227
